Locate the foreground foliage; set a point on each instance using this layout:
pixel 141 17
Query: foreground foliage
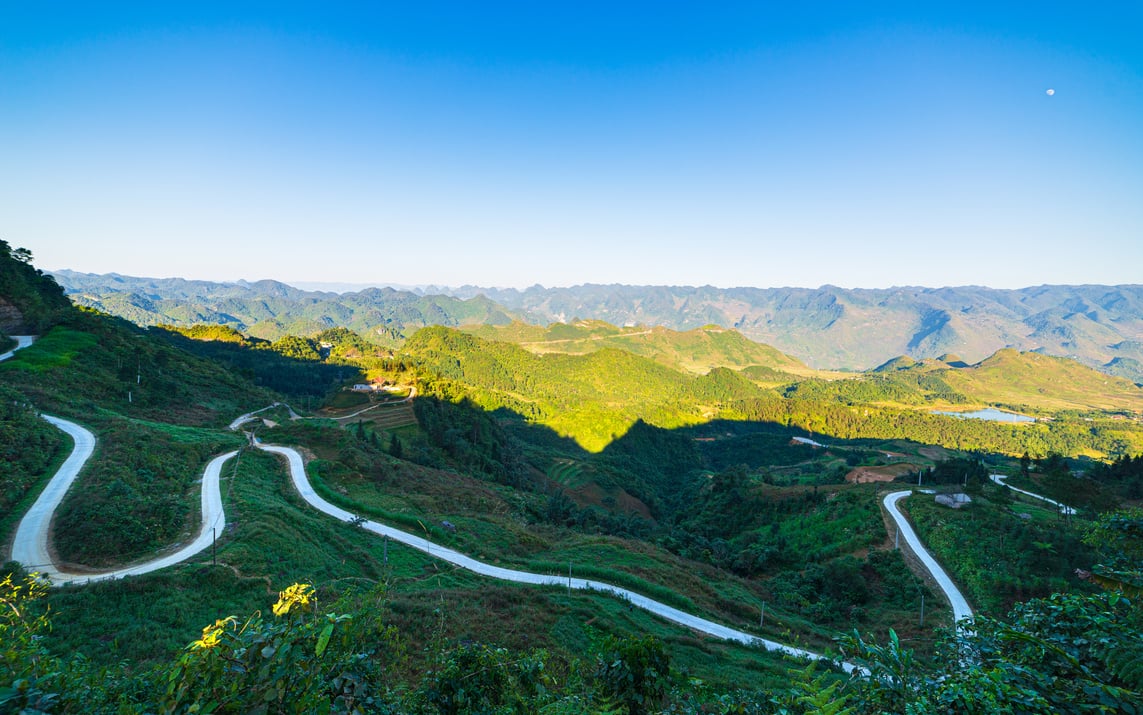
pixel 1063 654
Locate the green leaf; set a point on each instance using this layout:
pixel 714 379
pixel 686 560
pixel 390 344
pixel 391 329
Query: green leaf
pixel 323 639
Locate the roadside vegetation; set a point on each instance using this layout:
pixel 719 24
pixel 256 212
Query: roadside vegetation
pixel 1002 551
pixel 30 450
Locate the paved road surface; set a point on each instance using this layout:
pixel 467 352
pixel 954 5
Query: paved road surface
pixel 1000 479
pixel 30 546
pixel 243 419
pixel 956 599
pixel 22 341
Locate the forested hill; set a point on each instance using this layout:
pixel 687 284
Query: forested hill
pixel 827 327
pixel 29 300
pixel 593 397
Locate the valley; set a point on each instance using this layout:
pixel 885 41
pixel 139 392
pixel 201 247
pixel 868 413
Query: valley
pixel 571 359
pixel 32 550
pixel 748 499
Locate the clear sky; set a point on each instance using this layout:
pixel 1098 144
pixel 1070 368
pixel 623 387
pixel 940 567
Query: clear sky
pixel 855 144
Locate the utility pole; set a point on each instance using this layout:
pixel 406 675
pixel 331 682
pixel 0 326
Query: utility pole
pixel 762 618
pixel 897 538
pixel 922 610
pixel 385 555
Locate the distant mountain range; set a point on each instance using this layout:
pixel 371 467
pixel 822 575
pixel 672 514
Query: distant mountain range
pixel 269 309
pixel 827 327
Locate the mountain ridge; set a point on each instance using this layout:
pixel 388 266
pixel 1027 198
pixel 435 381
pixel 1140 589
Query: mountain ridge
pixel 827 327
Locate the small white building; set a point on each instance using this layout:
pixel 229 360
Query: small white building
pixel 954 501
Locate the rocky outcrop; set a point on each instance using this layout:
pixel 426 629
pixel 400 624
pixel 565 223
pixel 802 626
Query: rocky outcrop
pixel 11 319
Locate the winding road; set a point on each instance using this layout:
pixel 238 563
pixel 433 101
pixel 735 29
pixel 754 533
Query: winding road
pixel 1062 508
pixel 305 489
pixel 30 546
pixel 956 599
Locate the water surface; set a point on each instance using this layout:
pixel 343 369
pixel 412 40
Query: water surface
pixel 989 413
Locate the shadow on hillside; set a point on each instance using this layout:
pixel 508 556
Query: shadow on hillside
pixel 255 361
pixel 648 469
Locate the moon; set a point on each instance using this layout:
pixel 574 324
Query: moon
pixel 1051 92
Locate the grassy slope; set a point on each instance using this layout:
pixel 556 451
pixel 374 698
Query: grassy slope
pixel 593 397
pixel 1044 382
pixel 498 524
pixel 694 351
pixel 997 556
pixel 151 406
pixel 276 540
pixel 31 450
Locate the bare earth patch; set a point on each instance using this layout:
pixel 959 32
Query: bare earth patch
pixel 933 452
pixel 887 473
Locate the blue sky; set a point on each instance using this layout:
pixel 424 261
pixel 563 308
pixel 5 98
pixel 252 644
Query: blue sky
pixel 513 144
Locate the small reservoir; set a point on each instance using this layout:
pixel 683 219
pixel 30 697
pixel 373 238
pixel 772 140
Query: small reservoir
pixel 989 413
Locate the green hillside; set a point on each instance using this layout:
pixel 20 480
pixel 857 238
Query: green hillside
pixel 593 397
pixel 30 301
pixel 622 464
pixel 697 351
pixel 1044 382
pixel 1029 380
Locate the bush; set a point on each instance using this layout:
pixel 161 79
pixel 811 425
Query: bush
pixel 633 672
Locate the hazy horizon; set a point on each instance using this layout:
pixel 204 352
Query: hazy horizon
pixel 445 145
pixel 346 287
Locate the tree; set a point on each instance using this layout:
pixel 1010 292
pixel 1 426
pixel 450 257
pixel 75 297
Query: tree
pixel 1119 538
